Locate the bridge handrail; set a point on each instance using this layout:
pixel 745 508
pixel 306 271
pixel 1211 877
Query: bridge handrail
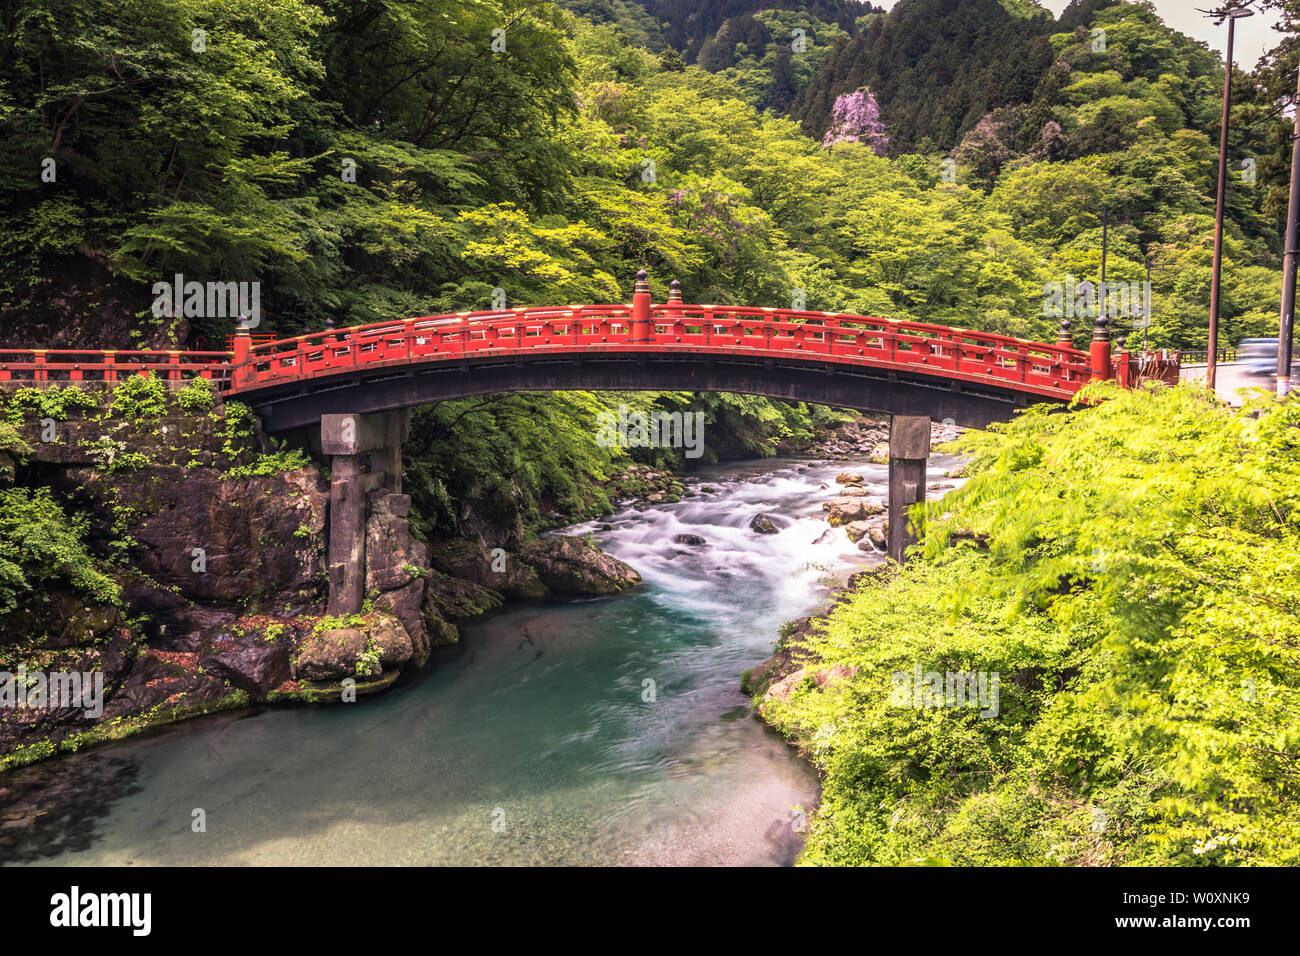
pixel 1054 370
pixel 109 365
pixel 934 349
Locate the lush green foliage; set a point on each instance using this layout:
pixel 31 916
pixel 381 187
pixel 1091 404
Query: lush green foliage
pixel 1132 571
pixel 37 404
pixel 41 546
pixel 140 397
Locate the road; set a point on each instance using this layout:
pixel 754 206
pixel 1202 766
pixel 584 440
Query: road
pixel 1229 377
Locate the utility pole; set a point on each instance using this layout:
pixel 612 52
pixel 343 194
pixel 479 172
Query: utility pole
pixel 1289 261
pixel 1211 363
pixel 1105 219
pixel 1147 299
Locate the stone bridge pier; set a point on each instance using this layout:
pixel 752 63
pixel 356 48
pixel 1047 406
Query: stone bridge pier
pixel 365 456
pixel 909 446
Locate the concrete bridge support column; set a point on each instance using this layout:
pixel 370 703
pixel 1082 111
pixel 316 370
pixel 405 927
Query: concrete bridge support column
pixel 909 447
pixel 365 453
pixel 347 554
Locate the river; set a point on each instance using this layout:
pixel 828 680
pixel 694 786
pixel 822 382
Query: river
pixel 598 731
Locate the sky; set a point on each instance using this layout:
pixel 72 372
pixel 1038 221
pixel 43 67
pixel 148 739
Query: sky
pixel 1254 35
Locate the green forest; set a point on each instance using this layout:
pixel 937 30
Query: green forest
pixel 1128 568
pixel 367 161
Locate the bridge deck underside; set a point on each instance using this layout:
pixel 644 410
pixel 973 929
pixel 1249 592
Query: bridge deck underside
pixel 883 391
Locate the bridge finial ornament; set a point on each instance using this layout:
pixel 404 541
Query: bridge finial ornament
pixel 1063 339
pixel 674 291
pixel 642 282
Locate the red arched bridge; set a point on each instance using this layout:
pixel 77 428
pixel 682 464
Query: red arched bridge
pixel 872 364
pixel 356 384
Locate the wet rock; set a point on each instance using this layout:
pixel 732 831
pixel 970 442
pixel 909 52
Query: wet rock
pixel 847 510
pixel 825 537
pixel 857 530
pixel 502 572
pixel 782 688
pixel 439 630
pixel 568 565
pixel 454 598
pixel 394 558
pixel 63 620
pixel 693 539
pixel 330 654
pixel 156 678
pixel 406 604
pixel 260 537
pixel 763 524
pixel 248 661
pixel 880 453
pixel 848 478
pixel 391 640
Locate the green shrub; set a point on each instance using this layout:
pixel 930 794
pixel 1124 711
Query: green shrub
pixel 140 397
pixel 42 403
pixel 40 547
pixel 198 395
pixel 1132 572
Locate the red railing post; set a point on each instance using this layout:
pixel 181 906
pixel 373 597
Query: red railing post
pixel 674 310
pixel 241 352
pixel 1123 365
pixel 39 373
pixel 641 325
pixel 1099 353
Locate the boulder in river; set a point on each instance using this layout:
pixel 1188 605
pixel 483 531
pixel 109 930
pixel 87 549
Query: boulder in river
pixel 329 654
pixel 257 663
pixel 847 510
pixel 568 565
pixel 848 478
pixel 763 524
pixel 857 530
pixel 694 539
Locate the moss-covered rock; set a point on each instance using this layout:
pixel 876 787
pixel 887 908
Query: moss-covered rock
pixel 568 565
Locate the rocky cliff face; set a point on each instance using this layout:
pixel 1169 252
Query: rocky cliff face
pixel 217 544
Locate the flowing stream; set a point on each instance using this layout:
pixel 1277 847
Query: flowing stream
pixel 586 732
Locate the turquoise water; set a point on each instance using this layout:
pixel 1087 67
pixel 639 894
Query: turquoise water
pixel 589 732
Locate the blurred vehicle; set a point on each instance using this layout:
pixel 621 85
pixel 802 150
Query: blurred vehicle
pixel 1258 356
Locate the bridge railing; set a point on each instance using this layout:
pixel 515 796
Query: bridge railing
pixel 44 366
pixel 865 340
pixel 932 348
pixel 432 337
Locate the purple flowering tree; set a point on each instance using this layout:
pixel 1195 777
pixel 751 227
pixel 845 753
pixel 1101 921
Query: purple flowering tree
pixel 855 118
